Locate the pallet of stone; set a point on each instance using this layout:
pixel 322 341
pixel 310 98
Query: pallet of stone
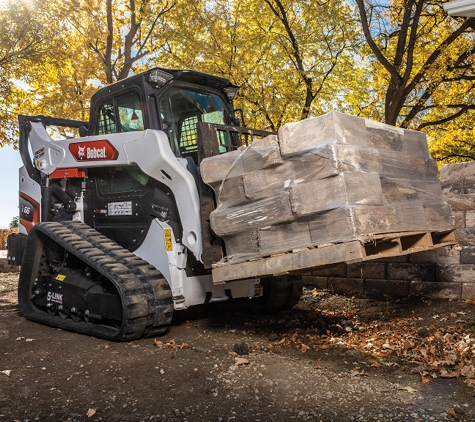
pixel 335 178
pixel 232 184
pixel 309 259
pixel 342 224
pixel 336 128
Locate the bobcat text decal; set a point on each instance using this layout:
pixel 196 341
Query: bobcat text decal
pixel 93 151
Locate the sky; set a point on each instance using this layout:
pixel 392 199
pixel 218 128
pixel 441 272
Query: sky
pixel 10 162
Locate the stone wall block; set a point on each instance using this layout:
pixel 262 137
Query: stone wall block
pixel 411 272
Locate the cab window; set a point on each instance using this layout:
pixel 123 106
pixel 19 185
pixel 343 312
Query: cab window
pixel 180 111
pixel 122 114
pixel 121 180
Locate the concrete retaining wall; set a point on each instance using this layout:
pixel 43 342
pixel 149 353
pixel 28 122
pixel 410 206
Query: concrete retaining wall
pixel 445 273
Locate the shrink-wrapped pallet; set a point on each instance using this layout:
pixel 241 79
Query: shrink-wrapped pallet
pixel 330 179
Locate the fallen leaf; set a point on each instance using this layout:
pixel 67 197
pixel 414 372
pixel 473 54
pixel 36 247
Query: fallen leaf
pixel 169 344
pixel 317 367
pixel 304 347
pixel 408 345
pixel 158 343
pixel 7 372
pixel 451 414
pixel 408 389
pixel 445 374
pixel 90 413
pixel 240 361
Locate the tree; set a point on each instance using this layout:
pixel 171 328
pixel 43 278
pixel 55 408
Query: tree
pixel 292 59
pixel 421 54
pixel 25 39
pixel 120 33
pixel 14 224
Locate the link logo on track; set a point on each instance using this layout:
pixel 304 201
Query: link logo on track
pixel 54 297
pixel 101 150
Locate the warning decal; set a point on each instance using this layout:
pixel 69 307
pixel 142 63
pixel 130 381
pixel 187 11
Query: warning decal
pixel 168 240
pixel 119 208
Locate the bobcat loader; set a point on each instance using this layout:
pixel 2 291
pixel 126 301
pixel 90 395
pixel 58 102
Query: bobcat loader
pixel 117 220
pixel 115 224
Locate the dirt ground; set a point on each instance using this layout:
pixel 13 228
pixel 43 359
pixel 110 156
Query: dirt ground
pixel 331 358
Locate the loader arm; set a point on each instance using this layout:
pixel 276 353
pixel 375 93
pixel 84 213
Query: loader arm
pixel 149 150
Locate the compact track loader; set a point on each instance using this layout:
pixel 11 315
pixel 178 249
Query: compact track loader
pixel 116 224
pixel 118 218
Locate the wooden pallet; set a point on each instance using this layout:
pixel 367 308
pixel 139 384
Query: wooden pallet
pixel 308 259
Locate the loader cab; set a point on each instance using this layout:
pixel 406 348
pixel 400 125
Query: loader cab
pixel 170 100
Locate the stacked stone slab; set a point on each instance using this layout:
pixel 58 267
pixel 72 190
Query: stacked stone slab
pixel 329 179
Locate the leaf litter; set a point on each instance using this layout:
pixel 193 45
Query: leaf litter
pixel 437 346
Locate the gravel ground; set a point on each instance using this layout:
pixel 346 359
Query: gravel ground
pixel 214 365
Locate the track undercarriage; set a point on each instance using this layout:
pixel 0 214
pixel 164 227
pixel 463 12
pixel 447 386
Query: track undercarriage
pixel 76 279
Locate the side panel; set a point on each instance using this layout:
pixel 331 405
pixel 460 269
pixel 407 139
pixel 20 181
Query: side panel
pixel 30 200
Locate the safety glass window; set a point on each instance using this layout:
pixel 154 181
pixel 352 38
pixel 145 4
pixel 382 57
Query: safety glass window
pixel 105 119
pixel 130 113
pixel 181 110
pixel 125 115
pixel 123 179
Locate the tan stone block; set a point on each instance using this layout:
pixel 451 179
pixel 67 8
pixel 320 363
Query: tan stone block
pixel 470 219
pixel 310 134
pixel 257 214
pixel 284 238
pixel 347 188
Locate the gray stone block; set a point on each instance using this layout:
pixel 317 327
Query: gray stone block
pixel 367 270
pixel 346 286
pixel 465 236
pixel 467 255
pixel 387 288
pixel 455 273
pixel 457 170
pixel 469 185
pixel 460 202
pixel 336 270
pixel 313 280
pixel 436 290
pixel 393 259
pixel 468 291
pixel 459 219
pixel 410 272
pixel 470 219
pixel 447 255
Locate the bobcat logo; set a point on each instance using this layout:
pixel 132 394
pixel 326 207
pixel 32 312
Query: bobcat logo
pixel 81 153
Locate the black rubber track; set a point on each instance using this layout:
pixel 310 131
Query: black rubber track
pixel 147 302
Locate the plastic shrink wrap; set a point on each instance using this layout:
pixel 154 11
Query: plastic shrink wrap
pixel 329 179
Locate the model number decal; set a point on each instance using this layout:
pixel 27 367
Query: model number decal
pixel 25 210
pixel 119 208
